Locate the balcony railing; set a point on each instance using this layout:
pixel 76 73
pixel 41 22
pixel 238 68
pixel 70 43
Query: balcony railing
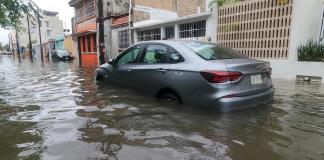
pixel 85 12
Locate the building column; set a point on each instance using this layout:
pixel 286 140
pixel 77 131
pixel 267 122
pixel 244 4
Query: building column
pixel 162 33
pixel 176 31
pixel 135 36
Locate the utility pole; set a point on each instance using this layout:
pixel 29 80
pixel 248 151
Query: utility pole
pixel 101 33
pixel 130 23
pixel 30 43
pixel 40 37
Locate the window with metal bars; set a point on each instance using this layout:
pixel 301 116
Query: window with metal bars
pixel 169 32
pixel 123 38
pixel 192 29
pixel 89 9
pixel 147 35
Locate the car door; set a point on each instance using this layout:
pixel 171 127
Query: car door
pixel 150 72
pixel 123 65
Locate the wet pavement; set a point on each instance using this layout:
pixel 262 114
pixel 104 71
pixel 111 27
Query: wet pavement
pixel 57 111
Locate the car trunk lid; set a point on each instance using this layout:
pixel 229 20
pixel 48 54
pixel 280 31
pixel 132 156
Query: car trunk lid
pixel 256 75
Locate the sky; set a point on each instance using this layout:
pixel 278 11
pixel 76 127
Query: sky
pixel 61 6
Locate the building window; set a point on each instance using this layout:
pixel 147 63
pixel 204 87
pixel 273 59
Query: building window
pixel 147 35
pixel 89 9
pixel 169 32
pixel 89 43
pixel 123 38
pixel 79 15
pixel 84 12
pixel 49 33
pixel 46 23
pixel 193 29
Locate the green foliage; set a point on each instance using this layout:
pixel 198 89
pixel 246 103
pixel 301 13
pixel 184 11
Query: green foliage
pixel 220 2
pixel 12 10
pixel 4 47
pixel 311 51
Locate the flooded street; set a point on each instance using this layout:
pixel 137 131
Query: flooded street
pixel 57 111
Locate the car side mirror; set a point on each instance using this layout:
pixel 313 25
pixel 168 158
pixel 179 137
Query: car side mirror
pixel 111 61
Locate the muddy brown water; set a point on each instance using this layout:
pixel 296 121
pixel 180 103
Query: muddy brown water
pixel 56 111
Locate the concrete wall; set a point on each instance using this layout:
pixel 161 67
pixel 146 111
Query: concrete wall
pixel 68 45
pixel 288 70
pixel 115 42
pixel 306 23
pixel 116 7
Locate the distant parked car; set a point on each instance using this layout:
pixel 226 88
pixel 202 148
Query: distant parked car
pixel 192 72
pixel 61 54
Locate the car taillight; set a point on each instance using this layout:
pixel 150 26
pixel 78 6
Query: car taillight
pixel 269 72
pixel 220 76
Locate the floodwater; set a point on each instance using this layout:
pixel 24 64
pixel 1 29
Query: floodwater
pixel 56 111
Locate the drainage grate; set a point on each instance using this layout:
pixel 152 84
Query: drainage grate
pixel 308 79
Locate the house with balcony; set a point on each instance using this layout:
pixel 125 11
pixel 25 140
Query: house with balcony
pixel 84 30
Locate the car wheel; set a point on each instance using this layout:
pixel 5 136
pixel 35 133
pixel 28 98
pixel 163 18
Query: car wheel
pixel 99 77
pixel 169 95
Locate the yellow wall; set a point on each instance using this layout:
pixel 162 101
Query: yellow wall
pixel 68 45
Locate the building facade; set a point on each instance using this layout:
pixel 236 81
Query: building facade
pixel 50 28
pixel 84 30
pixel 186 20
pixel 272 30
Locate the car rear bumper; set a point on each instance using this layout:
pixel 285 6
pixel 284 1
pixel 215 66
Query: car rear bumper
pixel 236 103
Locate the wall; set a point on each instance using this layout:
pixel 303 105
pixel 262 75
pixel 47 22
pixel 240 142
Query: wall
pixel 256 28
pixel 68 45
pixel 169 5
pixel 115 7
pixel 115 42
pixel 306 23
pixel 287 70
pixel 189 7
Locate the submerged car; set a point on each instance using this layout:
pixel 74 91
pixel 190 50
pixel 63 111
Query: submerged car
pixel 61 54
pixel 192 72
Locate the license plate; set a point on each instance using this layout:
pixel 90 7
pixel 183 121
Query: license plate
pixel 256 79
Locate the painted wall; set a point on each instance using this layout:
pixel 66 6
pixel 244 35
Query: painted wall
pixel 288 70
pixel 68 45
pixel 306 23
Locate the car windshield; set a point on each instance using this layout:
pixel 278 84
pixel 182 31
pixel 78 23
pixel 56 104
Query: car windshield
pixel 209 51
pixel 62 52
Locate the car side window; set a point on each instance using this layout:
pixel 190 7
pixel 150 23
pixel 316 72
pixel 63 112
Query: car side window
pixel 175 56
pixel 154 53
pixel 130 56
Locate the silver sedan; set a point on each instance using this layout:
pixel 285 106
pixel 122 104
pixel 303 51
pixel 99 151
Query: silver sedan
pixel 192 72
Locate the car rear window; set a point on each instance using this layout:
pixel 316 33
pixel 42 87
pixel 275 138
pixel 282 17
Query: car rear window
pixel 209 51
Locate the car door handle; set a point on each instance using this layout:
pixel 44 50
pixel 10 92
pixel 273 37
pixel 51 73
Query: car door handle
pixel 161 70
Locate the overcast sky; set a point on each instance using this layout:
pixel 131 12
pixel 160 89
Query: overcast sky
pixel 61 6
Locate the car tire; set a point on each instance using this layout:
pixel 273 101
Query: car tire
pixel 99 77
pixel 169 95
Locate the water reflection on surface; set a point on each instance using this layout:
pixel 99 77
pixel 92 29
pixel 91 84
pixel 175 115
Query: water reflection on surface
pixel 57 111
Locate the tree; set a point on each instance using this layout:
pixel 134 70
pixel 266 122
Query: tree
pixel 12 10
